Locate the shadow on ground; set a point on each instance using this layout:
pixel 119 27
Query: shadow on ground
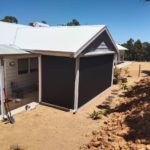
pixel 146 72
pixel 136 108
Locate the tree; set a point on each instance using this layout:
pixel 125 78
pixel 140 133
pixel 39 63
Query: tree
pixel 129 55
pixel 74 22
pixel 138 51
pixel 138 48
pixel 31 24
pixel 146 46
pixel 44 22
pixel 10 19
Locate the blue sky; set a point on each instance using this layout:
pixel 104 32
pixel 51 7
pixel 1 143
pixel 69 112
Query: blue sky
pixel 124 18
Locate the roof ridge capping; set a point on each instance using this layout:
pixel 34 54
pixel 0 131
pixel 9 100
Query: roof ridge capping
pixel 80 26
pixel 93 25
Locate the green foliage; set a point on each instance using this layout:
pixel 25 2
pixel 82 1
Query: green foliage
pixel 74 22
pixel 10 19
pixel 44 22
pixel 31 24
pixel 95 115
pixel 124 86
pixel 126 70
pixel 138 51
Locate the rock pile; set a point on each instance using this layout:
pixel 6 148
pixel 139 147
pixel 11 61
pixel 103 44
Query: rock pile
pixel 127 125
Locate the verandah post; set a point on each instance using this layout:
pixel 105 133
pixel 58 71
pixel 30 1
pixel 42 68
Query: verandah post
pixel 76 89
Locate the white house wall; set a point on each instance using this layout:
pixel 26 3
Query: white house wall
pixel 22 80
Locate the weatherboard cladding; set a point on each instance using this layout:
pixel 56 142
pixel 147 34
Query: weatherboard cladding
pixel 11 75
pixel 99 44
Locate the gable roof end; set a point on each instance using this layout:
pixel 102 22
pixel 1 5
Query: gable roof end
pixel 121 48
pixel 104 29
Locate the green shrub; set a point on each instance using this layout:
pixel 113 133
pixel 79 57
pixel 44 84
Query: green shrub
pixel 124 86
pixel 95 115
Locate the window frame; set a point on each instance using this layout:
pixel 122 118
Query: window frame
pixel 25 70
pixel 33 68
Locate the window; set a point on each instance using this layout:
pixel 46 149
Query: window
pixel 33 65
pixel 23 66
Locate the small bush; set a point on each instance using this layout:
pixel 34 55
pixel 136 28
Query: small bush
pixel 95 115
pixel 126 71
pixel 124 80
pixel 117 75
pixel 15 147
pixel 117 72
pixel 124 86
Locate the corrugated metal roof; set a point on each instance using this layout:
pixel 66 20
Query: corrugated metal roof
pixel 61 39
pixel 11 50
pixel 70 40
pixel 121 48
pixel 8 32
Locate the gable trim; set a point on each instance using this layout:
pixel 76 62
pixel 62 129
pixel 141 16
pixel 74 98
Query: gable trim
pixel 93 38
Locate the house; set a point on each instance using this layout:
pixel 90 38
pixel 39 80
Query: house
pixel 121 54
pixel 71 65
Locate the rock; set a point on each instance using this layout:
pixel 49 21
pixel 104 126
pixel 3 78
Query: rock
pixel 111 139
pixel 105 122
pixel 89 145
pixel 99 138
pixel 140 147
pixel 120 133
pixel 83 147
pixel 95 132
pixel 112 131
pixel 138 141
pixel 144 141
pixel 93 148
pixel 96 144
pixel 94 139
pixel 148 147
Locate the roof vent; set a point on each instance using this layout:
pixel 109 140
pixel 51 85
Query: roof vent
pixel 40 24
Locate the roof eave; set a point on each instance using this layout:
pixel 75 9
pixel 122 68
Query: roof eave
pixel 52 53
pixel 97 54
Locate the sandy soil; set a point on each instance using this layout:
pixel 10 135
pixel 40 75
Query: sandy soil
pixel 126 119
pixel 46 128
